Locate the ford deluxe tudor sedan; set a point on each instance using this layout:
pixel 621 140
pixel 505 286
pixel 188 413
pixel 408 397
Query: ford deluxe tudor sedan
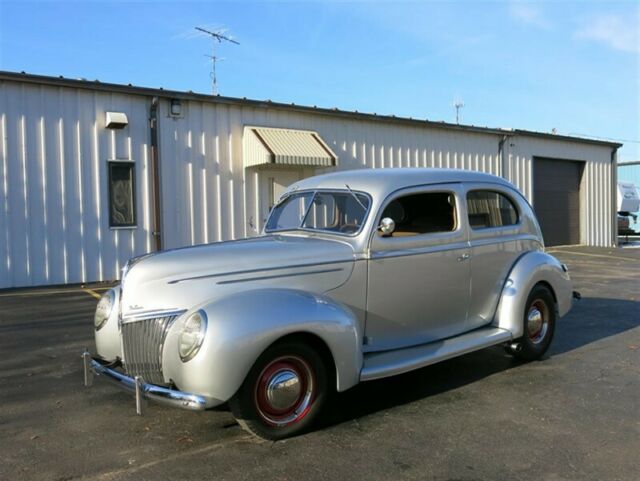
pixel 358 275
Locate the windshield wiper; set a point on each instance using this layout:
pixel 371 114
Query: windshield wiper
pixel 355 197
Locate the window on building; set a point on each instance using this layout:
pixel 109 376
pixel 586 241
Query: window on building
pixel 122 206
pixel 422 213
pixel 490 209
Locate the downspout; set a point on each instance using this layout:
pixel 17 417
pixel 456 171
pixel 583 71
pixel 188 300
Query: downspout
pixel 503 170
pixel 155 174
pixel 614 195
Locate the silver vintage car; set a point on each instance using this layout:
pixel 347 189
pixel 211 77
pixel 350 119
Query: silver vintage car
pixel 358 275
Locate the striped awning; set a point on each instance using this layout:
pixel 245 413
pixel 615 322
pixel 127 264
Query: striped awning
pixel 303 148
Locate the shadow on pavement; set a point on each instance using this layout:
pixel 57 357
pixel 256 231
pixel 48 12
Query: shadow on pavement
pixel 590 320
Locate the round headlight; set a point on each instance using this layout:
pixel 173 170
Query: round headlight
pixel 192 335
pixel 103 311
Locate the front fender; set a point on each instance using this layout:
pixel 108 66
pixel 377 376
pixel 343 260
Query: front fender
pixel 108 337
pixel 242 325
pixel 530 269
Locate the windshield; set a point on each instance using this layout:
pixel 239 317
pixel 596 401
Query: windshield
pixel 339 212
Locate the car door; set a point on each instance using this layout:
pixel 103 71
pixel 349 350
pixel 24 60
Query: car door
pixel 494 233
pixel 418 280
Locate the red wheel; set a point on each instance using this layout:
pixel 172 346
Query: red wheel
pixel 283 393
pixel 539 325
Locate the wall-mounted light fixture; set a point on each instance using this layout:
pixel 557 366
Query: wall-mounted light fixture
pixel 176 108
pixel 116 120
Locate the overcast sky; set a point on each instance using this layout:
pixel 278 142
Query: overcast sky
pixel 572 66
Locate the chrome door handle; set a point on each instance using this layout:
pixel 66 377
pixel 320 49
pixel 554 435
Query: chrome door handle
pixel 464 257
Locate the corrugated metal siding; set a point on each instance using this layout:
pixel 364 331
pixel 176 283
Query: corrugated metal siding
pixel 232 197
pixel 53 185
pixel 631 173
pixel 54 217
pixel 596 217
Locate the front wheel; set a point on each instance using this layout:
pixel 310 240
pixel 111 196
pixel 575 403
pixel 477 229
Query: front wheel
pixel 539 325
pixel 283 392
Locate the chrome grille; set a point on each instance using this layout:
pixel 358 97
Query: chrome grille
pixel 142 341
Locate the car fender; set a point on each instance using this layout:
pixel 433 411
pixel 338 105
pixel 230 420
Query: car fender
pixel 243 325
pixel 108 345
pixel 530 269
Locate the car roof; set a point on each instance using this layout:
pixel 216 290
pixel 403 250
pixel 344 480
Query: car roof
pixel 383 181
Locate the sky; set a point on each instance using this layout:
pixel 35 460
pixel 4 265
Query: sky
pixel 569 66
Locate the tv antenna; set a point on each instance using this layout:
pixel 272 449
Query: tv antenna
pixel 216 38
pixel 458 104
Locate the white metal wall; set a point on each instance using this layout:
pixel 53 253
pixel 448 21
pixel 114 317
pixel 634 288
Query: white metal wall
pixel 208 195
pixel 54 226
pixel 54 149
pixel 201 156
pixel 596 207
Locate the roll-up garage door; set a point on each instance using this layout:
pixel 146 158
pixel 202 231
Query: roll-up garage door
pixel 556 199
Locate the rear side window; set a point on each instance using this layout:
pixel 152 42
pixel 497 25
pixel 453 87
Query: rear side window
pixel 490 209
pixel 422 213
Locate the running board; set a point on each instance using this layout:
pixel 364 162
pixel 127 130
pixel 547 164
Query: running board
pixel 389 363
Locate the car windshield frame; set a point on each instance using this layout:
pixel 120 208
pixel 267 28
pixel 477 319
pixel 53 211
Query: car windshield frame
pixel 314 192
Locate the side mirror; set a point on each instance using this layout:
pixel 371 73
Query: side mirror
pixel 386 227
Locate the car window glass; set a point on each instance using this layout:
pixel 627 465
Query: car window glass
pixel 290 212
pixel 337 212
pixel 490 209
pixel 422 213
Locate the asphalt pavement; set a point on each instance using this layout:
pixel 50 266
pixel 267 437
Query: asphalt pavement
pixel 483 416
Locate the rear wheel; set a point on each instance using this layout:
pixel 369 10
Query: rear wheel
pixel 283 393
pixel 539 325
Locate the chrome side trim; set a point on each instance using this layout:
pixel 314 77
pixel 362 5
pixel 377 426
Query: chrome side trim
pixel 415 251
pixel 161 395
pixel 278 276
pixel 268 269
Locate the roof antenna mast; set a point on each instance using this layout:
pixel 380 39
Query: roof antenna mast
pixel 458 104
pixel 216 37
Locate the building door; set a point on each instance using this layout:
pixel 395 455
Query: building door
pixel 556 199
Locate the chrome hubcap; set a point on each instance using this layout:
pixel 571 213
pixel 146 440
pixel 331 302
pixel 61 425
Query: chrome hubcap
pixel 537 322
pixel 283 389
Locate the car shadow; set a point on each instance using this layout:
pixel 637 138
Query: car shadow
pixel 591 320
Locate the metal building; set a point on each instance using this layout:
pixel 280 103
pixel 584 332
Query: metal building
pixel 92 174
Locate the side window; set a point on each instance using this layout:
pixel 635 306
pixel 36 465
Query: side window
pixel 422 213
pixel 490 209
pixel 122 194
pixel 337 212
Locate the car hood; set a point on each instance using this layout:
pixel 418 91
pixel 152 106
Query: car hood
pixel 182 278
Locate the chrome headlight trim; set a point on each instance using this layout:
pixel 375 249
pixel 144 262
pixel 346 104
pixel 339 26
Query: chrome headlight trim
pixel 192 335
pixel 104 309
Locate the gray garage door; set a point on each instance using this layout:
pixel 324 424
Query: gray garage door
pixel 556 199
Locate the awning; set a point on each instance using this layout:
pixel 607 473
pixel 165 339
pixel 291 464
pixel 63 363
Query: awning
pixel 302 148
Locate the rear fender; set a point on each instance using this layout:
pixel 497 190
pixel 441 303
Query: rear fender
pixel 240 328
pixel 530 269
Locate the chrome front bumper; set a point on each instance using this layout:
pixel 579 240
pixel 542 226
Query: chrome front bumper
pixel 143 391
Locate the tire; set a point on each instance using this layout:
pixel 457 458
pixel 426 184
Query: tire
pixel 282 412
pixel 539 319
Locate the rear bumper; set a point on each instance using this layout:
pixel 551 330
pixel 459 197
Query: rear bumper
pixel 142 390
